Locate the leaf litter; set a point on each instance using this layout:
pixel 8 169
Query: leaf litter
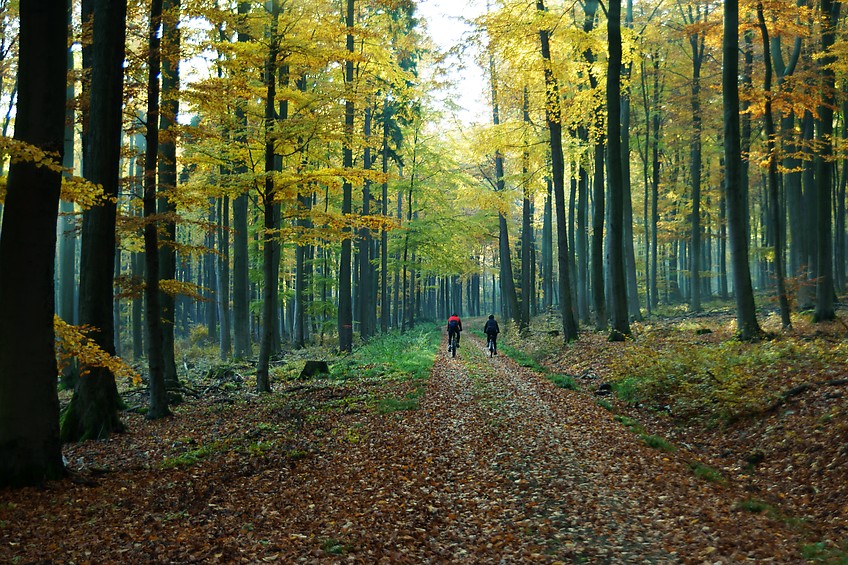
pixel 496 464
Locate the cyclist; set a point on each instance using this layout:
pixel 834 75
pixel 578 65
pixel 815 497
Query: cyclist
pixel 454 326
pixel 492 330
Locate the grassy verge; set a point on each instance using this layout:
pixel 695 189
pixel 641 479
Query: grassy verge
pixel 401 358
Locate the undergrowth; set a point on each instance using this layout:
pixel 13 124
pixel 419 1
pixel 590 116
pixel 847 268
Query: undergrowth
pixel 393 356
pixel 713 381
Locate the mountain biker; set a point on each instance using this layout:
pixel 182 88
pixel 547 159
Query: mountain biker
pixel 492 330
pixel 454 327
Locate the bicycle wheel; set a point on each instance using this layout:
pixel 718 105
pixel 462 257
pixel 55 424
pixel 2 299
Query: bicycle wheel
pixel 453 346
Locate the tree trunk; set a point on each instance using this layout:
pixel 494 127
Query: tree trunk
pixel 225 340
pixel 746 315
pixel 366 305
pixel 629 253
pixel 513 309
pixel 345 313
pixel 304 199
pixel 30 449
pixel 824 167
pixel 772 176
pixel 269 265
pixel 240 274
pixel 582 239
pixel 158 398
pixel 655 181
pixel 384 233
pixel 168 178
pixel 553 120
pixel 547 248
pixel 93 410
pixel 620 320
pixel 696 42
pixel 527 237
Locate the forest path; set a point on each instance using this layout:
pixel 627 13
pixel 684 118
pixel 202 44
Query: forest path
pixel 495 464
pixel 499 465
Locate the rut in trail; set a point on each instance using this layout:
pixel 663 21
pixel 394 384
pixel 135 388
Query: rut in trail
pixel 499 465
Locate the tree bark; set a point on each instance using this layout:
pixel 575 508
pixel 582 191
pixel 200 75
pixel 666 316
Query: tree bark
pixel 620 320
pixel 345 313
pixel 824 167
pixel 93 410
pixel 240 273
pixel 30 449
pixel 167 165
pixel 776 210
pixel 553 121
pixel 746 315
pixel 269 265
pixel 158 398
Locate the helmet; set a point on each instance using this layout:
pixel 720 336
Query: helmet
pixel 491 316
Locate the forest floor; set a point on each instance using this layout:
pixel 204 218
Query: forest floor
pixel 484 461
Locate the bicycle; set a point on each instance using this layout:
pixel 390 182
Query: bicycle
pixel 490 346
pixel 452 344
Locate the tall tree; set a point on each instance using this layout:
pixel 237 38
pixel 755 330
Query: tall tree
pixel 773 189
pixel 167 165
pixel 30 449
pixel 158 399
pixel 345 312
pixel 270 271
pixel 746 314
pixel 225 340
pixel 620 320
pixel 824 165
pixel 697 41
pixel 553 119
pixel 528 282
pixel 93 410
pixel 241 271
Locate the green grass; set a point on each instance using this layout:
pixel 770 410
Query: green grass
pixel 658 442
pixel 334 546
pixel 390 404
pixel 755 506
pixel 706 472
pixel 631 424
pixel 393 356
pixel 194 456
pixel 564 381
pixel 824 553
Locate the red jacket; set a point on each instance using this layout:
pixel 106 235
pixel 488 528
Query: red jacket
pixel 457 320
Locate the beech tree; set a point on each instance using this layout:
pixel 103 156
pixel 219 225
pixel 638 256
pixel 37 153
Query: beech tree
pixel 30 449
pixel 93 410
pixel 746 315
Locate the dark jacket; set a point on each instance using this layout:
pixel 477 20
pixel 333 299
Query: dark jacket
pixel 491 327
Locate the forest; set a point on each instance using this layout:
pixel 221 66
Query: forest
pixel 201 203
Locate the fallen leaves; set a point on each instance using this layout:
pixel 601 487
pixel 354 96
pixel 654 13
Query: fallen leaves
pixel 496 464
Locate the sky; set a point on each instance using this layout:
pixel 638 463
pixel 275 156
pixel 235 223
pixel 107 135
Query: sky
pixel 446 27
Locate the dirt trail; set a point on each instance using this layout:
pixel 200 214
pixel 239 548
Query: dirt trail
pixel 499 465
pixel 496 465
